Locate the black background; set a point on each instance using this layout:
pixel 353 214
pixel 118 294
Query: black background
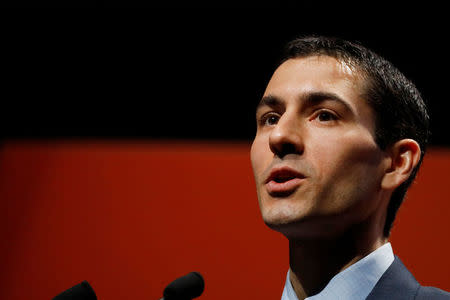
pixel 188 73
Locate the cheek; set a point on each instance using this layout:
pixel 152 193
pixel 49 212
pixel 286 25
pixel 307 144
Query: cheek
pixel 351 151
pixel 347 172
pixel 259 155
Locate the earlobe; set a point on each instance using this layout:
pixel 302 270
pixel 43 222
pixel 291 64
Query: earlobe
pixel 404 156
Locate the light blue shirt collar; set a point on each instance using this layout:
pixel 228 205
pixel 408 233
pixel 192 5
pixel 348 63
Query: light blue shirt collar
pixel 355 282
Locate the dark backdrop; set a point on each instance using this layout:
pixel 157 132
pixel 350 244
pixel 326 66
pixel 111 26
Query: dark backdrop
pixel 186 73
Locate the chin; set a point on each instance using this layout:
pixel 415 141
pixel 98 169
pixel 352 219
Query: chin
pixel 296 227
pixel 278 212
pixel 291 229
pixel 280 219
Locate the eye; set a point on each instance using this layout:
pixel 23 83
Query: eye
pixel 326 116
pixel 269 119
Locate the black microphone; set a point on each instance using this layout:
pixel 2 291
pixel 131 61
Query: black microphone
pixel 186 287
pixel 81 291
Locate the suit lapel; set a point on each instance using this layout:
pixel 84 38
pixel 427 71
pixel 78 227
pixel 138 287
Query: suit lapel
pixel 397 283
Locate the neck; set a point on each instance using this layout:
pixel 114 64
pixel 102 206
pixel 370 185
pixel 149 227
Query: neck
pixel 314 262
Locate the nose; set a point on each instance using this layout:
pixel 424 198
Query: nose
pixel 286 137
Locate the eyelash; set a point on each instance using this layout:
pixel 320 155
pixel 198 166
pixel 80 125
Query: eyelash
pixel 317 114
pixel 265 117
pixel 334 117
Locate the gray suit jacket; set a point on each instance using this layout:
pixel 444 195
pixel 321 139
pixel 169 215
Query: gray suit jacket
pixel 397 283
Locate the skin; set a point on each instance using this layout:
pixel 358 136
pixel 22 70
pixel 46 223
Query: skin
pixel 313 118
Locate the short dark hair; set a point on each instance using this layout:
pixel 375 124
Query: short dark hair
pixel 399 108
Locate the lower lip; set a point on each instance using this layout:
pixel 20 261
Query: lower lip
pixel 282 188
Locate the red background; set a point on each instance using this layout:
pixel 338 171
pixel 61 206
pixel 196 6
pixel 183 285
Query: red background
pixel 131 217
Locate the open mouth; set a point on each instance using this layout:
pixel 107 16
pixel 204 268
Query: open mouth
pixel 280 179
pixel 283 182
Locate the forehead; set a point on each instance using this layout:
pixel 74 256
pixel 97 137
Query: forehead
pixel 315 73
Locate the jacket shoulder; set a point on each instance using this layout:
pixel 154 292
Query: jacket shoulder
pixel 428 292
pixel 396 283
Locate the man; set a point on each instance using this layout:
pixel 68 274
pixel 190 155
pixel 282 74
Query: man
pixel 340 136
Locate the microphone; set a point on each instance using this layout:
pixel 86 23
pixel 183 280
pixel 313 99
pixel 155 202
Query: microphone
pixel 81 291
pixel 186 287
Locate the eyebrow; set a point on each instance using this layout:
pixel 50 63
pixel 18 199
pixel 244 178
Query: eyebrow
pixel 308 99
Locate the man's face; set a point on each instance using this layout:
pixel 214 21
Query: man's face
pixel 316 164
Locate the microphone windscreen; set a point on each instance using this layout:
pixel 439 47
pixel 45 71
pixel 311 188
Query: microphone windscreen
pixel 186 287
pixel 81 291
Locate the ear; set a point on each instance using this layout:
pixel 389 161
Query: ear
pixel 404 156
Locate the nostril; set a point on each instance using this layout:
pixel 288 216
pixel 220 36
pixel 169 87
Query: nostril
pixel 286 148
pixel 285 142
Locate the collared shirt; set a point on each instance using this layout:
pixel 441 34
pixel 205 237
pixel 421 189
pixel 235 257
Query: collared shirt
pixel 355 282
